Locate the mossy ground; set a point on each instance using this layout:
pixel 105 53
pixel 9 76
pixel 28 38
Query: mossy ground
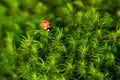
pixel 84 43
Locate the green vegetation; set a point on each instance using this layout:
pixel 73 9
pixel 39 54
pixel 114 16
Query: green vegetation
pixel 84 43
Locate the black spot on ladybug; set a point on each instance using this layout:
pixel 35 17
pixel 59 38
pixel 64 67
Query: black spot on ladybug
pixel 45 22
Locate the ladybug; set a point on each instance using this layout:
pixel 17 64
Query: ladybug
pixel 45 24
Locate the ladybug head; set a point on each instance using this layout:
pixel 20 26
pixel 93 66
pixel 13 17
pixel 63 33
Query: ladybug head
pixel 49 27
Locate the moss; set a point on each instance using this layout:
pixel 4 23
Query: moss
pixel 82 45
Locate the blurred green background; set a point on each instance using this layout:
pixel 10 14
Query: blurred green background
pixel 83 44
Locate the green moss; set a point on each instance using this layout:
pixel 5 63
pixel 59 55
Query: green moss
pixel 83 44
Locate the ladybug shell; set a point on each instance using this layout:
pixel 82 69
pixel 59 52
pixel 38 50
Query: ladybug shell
pixel 45 24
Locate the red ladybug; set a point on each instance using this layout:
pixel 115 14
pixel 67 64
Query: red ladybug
pixel 45 24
